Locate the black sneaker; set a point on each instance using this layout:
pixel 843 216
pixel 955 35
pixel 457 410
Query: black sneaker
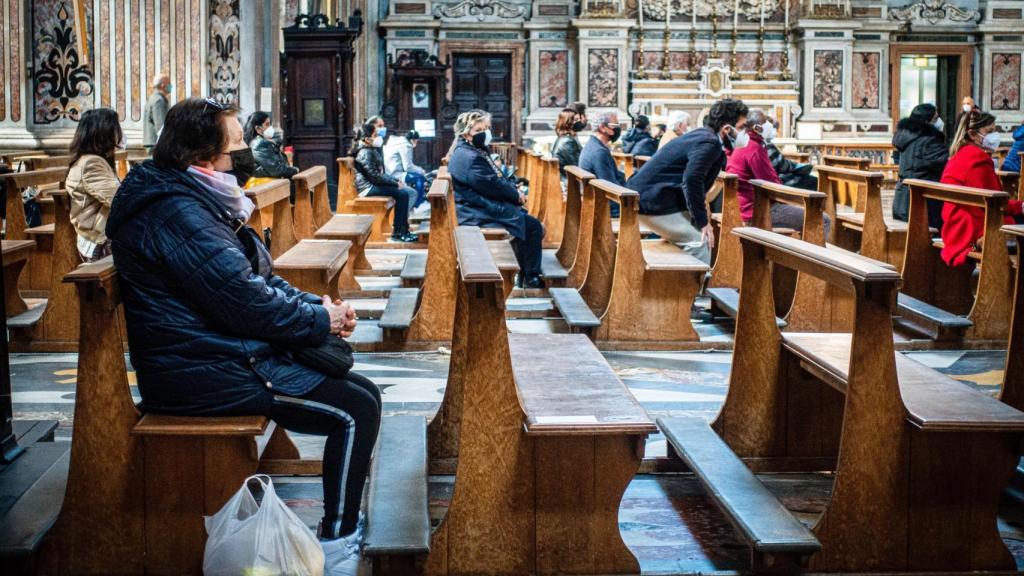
pixel 534 282
pixel 405 237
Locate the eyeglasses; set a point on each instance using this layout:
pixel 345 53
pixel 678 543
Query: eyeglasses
pixel 217 106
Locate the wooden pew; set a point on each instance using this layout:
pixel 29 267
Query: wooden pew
pixel 15 256
pixel 846 195
pixel 637 294
pixel 50 326
pixel 535 196
pixel 728 262
pixel 624 162
pixel 36 279
pixel 349 201
pixel 553 212
pixel 798 157
pixel 867 230
pixel 887 425
pixel 1012 391
pixel 556 263
pixel 639 161
pixel 937 299
pixel 44 162
pixel 543 455
pixel 155 475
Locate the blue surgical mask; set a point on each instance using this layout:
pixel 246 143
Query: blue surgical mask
pixel 382 132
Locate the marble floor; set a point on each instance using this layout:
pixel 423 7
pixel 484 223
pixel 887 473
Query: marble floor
pixel 666 519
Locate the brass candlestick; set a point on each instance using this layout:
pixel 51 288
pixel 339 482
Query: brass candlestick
pixel 641 71
pixel 734 69
pixel 760 54
pixel 714 34
pixel 666 74
pixel 787 74
pixel 694 73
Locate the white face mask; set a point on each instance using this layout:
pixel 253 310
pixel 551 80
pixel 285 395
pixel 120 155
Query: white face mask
pixel 269 133
pixel 487 140
pixel 768 131
pixel 939 124
pixel 742 139
pixel 967 107
pixel 378 141
pixel 991 141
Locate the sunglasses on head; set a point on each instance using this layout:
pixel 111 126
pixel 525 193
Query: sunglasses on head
pixel 211 103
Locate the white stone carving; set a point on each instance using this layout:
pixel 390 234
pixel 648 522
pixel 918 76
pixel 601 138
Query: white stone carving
pixel 480 10
pixel 933 12
pixel 751 9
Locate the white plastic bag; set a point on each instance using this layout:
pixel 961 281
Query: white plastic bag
pixel 246 539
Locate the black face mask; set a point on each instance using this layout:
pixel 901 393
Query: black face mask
pixel 480 140
pixel 616 132
pixel 244 165
pixel 579 126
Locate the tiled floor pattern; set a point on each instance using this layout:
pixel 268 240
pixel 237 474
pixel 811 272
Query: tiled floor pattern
pixel 666 520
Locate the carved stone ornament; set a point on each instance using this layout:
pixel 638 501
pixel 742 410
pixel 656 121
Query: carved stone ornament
pixel 480 10
pixel 654 10
pixel 933 12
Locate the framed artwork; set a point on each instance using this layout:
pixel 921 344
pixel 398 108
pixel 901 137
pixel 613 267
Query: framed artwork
pixel 420 95
pixel 313 112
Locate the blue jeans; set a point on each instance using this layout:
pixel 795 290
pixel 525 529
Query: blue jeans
pixel 403 197
pixel 419 183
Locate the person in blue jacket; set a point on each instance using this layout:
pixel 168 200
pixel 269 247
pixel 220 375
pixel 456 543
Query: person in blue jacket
pixel 596 156
pixel 1012 161
pixel 485 198
pixel 210 325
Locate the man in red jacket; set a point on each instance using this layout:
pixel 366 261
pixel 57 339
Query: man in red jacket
pixel 749 161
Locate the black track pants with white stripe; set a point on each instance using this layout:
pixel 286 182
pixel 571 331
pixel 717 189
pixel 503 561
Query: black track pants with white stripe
pixel 348 413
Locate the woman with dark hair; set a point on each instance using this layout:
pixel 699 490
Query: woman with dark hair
pixel 266 148
pixel 567 146
pixel 92 180
pixel 485 198
pixel 971 164
pixel 922 153
pixel 372 180
pixel 213 331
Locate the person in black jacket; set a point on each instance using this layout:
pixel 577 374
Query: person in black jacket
pixel 673 183
pixel 211 328
pixel 372 180
pixel 485 198
pixel 266 148
pixel 638 141
pixel 922 153
pixel 567 146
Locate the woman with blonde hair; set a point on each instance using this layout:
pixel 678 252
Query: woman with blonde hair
pixel 485 198
pixel 970 164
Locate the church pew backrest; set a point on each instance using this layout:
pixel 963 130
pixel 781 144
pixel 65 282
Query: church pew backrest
pixel 575 180
pixel 271 199
pixel 1012 391
pixel 306 183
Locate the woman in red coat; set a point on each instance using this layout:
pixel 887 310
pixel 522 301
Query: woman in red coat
pixel 971 164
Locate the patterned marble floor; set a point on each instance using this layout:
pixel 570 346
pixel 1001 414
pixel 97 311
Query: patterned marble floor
pixel 666 519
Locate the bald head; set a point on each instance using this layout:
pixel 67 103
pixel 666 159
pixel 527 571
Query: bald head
pixel 161 82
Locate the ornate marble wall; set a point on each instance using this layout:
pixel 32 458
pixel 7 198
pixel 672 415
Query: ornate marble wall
pixel 828 79
pixel 603 77
pixel 225 53
pixel 553 82
pixel 63 82
pixel 1006 76
pixel 866 80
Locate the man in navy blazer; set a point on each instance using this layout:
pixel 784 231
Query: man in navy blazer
pixel 673 183
pixel 596 156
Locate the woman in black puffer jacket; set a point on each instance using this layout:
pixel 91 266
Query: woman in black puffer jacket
pixel 922 154
pixel 373 180
pixel 211 327
pixel 567 146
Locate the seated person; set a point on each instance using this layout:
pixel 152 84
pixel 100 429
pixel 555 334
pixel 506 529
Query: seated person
pixel 749 161
pixel 211 327
pixel 596 157
pixel 1012 161
pixel 677 125
pixel 485 198
pixel 371 180
pixel 674 182
pixel 92 180
pixel 399 165
pixel 922 153
pixel 638 141
pixel 790 173
pixel 567 145
pixel 971 165
pixel 264 140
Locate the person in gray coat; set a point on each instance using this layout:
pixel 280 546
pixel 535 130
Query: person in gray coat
pixel 156 110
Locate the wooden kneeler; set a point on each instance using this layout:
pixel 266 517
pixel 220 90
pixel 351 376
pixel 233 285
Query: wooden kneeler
pixel 152 477
pixel 887 425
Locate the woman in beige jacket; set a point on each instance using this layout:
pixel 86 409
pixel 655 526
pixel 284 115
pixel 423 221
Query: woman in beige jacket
pixel 92 180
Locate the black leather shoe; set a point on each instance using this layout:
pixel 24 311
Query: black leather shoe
pixel 534 282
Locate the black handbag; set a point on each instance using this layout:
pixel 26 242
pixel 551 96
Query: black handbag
pixel 332 358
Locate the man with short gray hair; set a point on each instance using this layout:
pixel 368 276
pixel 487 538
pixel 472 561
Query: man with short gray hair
pixel 596 156
pixel 678 124
pixel 156 110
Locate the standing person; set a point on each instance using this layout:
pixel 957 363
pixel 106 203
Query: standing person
pixel 567 145
pixel 156 110
pixel 750 162
pixel 674 182
pixel 1012 161
pixel 638 141
pixel 922 154
pixel 262 139
pixel 678 124
pixel 971 165
pixel 92 180
pixel 399 165
pixel 371 180
pixel 211 328
pixel 484 198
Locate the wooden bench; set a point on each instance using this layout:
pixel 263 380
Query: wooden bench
pixel 866 229
pixel 624 162
pixel 379 207
pixel 36 278
pixel 639 161
pixel 926 278
pixel 1012 391
pixel 642 291
pixel 556 263
pixel 535 176
pixel 355 228
pixel 1010 182
pixel 44 162
pixel 15 256
pixel 544 454
pixel 844 194
pixel 553 211
pixel 51 326
pixel 883 422
pixel 156 475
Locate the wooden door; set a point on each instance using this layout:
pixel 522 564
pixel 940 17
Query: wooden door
pixel 484 81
